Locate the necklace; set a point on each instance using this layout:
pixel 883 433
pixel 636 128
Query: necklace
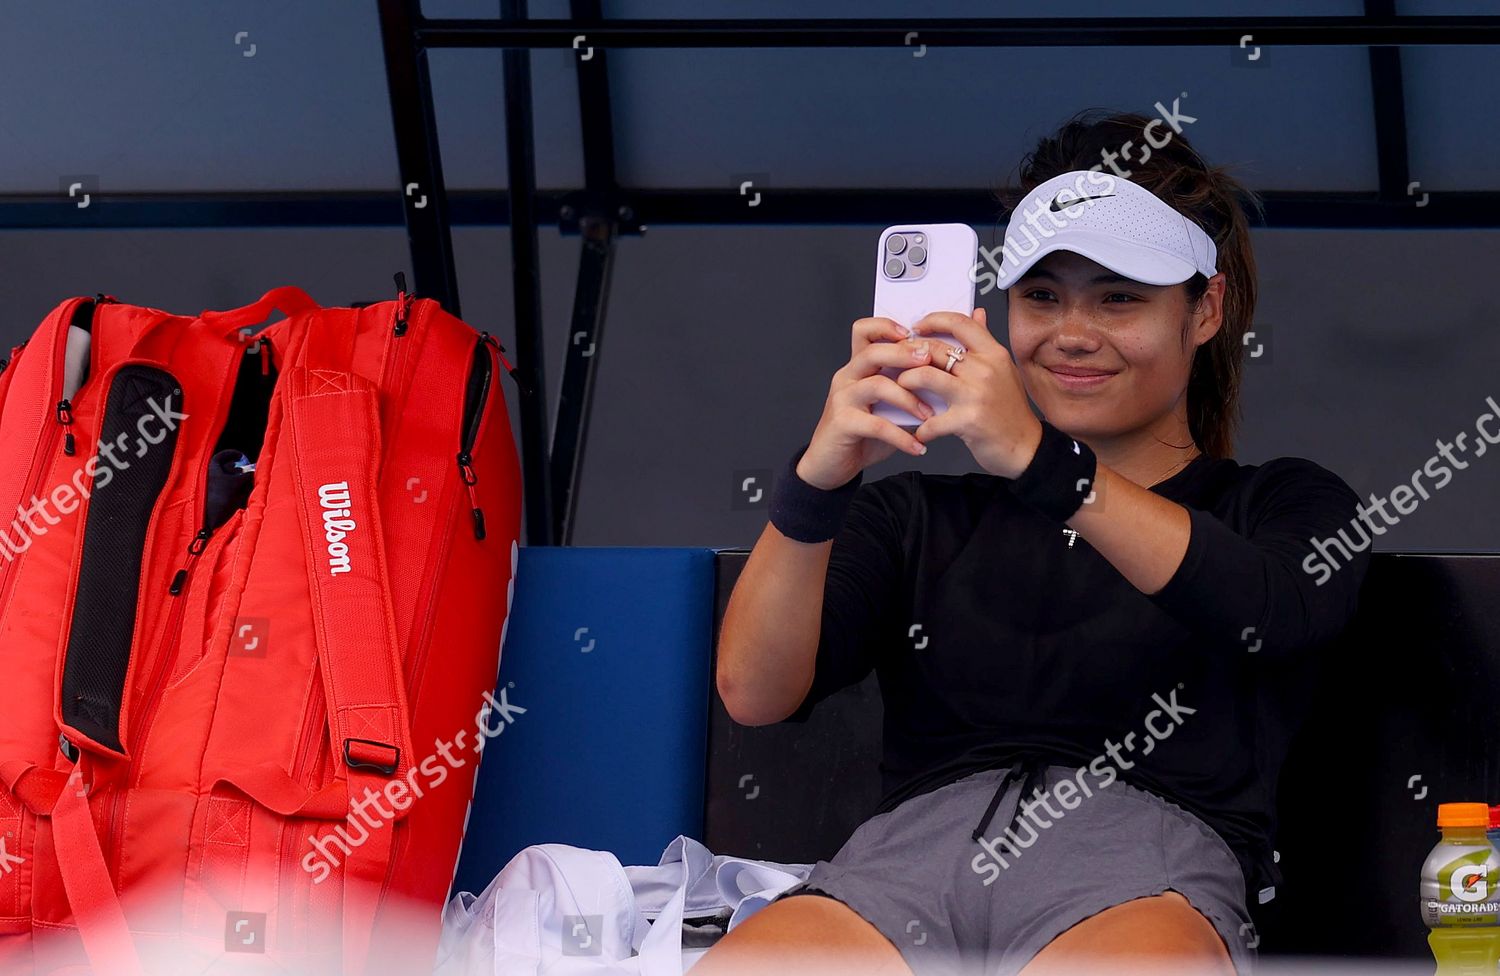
pixel 1072 534
pixel 1175 469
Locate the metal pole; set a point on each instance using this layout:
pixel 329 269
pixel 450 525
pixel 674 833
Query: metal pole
pixel 527 287
pixel 424 201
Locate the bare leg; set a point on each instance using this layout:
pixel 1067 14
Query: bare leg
pixel 803 934
pixel 1159 934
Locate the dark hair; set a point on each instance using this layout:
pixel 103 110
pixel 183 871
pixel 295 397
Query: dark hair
pixel 1205 194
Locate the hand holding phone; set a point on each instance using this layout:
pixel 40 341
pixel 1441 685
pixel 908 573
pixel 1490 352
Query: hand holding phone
pixel 923 268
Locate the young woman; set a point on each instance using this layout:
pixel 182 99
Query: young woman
pixel 1093 652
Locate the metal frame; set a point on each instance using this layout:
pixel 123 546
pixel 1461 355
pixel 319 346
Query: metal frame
pixel 599 211
pixel 491 208
pixel 1374 27
pixel 425 203
pixel 526 293
pixel 597 218
pixel 602 210
pixel 1389 96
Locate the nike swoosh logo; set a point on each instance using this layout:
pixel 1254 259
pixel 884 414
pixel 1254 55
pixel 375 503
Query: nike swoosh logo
pixel 1073 203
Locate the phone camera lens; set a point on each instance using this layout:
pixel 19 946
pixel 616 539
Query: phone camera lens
pixel 895 243
pixel 917 254
pixel 894 267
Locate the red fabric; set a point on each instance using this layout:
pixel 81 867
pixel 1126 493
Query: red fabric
pixel 91 893
pixel 232 793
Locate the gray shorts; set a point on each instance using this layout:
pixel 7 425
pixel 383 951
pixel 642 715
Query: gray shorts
pixel 950 906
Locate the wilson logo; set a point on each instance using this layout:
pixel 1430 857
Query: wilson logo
pixel 336 524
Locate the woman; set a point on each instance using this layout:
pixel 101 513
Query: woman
pixel 1092 654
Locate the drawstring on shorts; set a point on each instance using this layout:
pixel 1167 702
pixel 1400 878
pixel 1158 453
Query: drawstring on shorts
pixel 1031 770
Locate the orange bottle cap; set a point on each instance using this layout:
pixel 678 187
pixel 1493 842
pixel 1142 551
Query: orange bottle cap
pixel 1463 815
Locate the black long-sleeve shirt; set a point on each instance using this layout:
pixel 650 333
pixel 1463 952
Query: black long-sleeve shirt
pixel 995 639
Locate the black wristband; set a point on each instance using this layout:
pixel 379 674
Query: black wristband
pixel 1060 476
pixel 805 512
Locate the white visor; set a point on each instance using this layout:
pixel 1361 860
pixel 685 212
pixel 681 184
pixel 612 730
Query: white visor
pixel 1110 220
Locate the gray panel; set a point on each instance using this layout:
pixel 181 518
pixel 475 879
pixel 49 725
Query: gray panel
pixel 711 370
pixel 711 373
pixel 468 93
pixel 468 90
pixel 197 97
pixel 1450 98
pixel 961 117
pixel 185 110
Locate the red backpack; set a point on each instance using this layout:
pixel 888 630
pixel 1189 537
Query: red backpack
pixel 251 610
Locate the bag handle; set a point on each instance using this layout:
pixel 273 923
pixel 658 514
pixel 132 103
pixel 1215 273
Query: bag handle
pixel 288 299
pixel 333 430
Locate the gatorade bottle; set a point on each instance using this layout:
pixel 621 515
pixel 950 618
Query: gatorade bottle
pixel 1460 900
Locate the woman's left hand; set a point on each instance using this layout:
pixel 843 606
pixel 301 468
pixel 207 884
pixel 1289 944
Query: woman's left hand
pixel 987 404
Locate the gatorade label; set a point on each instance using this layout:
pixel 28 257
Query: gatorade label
pixel 1461 886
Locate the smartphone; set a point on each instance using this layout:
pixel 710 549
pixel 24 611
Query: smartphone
pixel 922 268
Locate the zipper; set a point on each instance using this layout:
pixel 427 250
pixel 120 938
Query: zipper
pixel 82 317
pixel 401 322
pixel 65 418
pixel 415 665
pixel 47 442
pixel 477 394
pixel 475 401
pixel 403 305
pixel 179 587
pixel 500 351
pixel 159 678
pixel 472 425
pixel 63 410
pixel 515 375
pixel 99 299
pixel 310 722
pixel 195 549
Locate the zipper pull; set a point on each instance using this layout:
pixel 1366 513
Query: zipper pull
pixel 179 580
pixel 403 304
pixel 102 299
pixel 515 374
pixel 466 472
pixel 65 417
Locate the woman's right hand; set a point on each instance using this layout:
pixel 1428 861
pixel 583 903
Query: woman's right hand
pixel 849 438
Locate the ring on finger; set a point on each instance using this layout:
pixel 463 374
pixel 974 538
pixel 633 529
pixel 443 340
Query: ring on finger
pixel 955 355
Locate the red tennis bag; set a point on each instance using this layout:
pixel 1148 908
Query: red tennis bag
pixel 252 601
